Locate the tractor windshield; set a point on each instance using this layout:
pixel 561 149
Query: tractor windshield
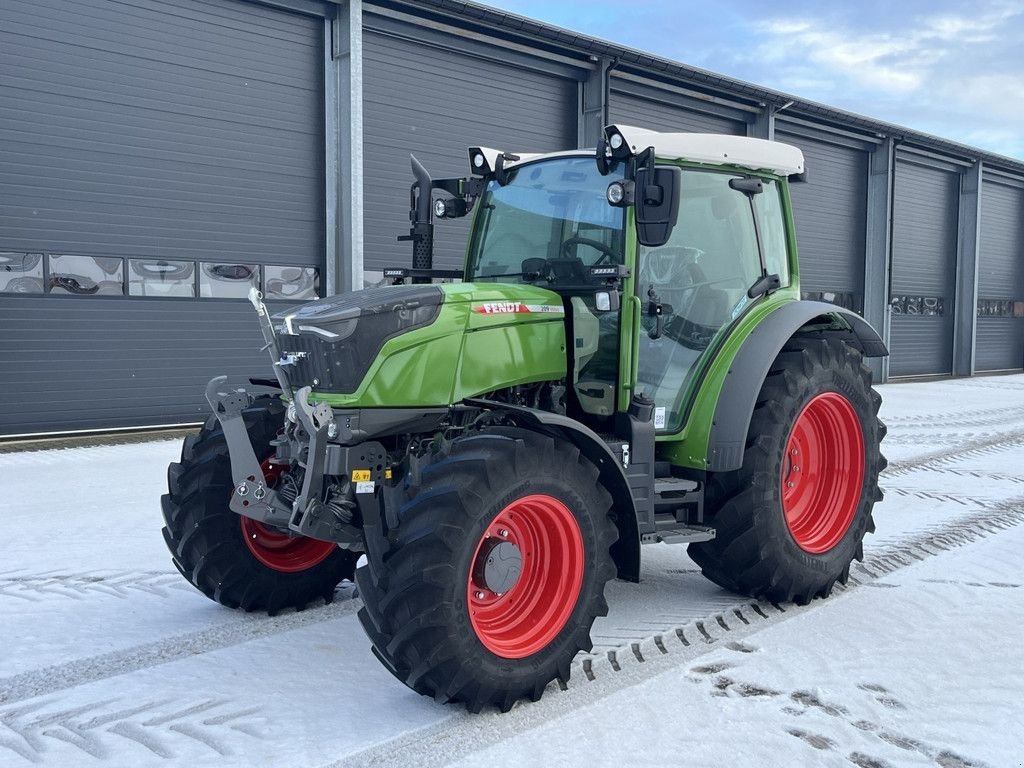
pixel 549 222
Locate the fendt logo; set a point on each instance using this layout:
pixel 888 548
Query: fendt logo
pixel 516 308
pixel 500 308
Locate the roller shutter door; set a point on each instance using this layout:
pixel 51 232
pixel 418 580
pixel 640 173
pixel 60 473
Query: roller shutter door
pixel 831 219
pixel 435 102
pixel 999 345
pixel 185 132
pixel 923 283
pixel 633 104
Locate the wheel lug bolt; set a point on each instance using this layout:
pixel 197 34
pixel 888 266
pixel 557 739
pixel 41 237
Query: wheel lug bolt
pixel 503 533
pixel 796 469
pixel 479 595
pixel 789 485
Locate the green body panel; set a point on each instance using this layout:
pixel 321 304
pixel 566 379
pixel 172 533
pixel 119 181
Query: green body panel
pixel 465 353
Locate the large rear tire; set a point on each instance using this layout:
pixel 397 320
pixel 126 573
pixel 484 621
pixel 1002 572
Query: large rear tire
pixel 232 559
pixel 793 518
pixel 488 585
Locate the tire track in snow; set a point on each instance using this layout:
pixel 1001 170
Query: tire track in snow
pixel 98 728
pixel 983 446
pixel 595 676
pixel 47 680
pixel 78 586
pixel 988 416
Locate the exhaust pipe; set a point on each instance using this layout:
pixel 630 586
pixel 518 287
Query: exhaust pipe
pixel 420 213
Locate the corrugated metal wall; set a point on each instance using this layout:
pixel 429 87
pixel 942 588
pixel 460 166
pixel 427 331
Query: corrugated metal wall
pixel 436 102
pixel 633 103
pixel 923 281
pixel 830 210
pixel 169 129
pixel 1000 333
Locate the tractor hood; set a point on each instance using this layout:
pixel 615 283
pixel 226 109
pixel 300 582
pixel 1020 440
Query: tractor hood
pixel 416 345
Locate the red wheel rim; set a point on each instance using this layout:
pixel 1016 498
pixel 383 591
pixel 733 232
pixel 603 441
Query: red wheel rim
pixel 822 472
pixel 528 616
pixel 277 550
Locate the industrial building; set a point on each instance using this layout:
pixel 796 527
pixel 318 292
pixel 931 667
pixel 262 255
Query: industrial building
pixel 158 157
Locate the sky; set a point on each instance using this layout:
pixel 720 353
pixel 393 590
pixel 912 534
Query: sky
pixel 952 69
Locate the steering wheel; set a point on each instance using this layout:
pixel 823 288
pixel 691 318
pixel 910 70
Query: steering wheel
pixel 608 254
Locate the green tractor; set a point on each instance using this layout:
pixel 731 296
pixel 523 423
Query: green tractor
pixel 626 360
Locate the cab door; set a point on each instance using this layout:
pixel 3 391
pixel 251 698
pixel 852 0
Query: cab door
pixel 697 282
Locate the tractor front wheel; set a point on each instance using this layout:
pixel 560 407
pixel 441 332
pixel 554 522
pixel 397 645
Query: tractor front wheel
pixel 792 519
pixel 231 559
pixel 488 586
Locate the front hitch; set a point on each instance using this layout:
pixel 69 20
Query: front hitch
pixel 310 513
pixel 251 496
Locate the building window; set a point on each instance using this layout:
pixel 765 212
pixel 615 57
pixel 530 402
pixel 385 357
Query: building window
pixel 291 283
pixel 86 275
pixel 227 281
pixel 21 272
pixel 156 277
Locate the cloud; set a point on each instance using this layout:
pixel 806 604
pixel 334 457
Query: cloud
pixel 946 73
pixel 938 66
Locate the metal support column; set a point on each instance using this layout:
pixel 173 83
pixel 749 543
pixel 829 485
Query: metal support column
pixel 763 124
pixel 965 318
pixel 343 118
pixel 594 104
pixel 878 247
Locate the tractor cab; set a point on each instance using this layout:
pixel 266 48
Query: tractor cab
pixel 657 244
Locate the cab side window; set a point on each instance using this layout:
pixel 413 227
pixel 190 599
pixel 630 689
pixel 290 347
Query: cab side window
pixel 773 230
pixel 700 276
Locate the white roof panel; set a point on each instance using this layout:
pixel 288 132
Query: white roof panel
pixel 716 149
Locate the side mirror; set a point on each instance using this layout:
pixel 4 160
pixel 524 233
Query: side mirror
pixel 657 204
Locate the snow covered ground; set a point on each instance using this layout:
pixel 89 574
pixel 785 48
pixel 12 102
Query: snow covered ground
pixel 107 657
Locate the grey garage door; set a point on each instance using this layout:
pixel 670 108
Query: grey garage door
pixel 435 102
pixel 924 234
pixel 1000 335
pixel 646 107
pixel 830 210
pixel 156 158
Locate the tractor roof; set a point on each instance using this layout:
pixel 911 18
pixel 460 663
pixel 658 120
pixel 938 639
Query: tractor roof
pixel 714 149
pixel 711 148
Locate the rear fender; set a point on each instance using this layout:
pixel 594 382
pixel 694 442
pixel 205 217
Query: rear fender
pixel 750 367
pixel 626 551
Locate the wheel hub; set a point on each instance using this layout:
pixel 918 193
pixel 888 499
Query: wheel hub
pixel 499 570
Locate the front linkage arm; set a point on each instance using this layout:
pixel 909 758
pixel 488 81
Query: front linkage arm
pixel 251 497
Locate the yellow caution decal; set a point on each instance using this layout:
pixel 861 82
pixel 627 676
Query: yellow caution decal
pixel 360 475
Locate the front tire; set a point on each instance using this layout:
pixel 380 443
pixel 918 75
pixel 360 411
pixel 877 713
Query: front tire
pixel 791 521
pixel 231 559
pixel 489 584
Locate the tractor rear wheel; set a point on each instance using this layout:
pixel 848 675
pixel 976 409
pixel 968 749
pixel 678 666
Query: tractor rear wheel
pixel 488 585
pixel 231 559
pixel 792 519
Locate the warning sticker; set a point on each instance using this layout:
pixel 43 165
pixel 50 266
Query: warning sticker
pixel 360 475
pixel 659 417
pixel 365 487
